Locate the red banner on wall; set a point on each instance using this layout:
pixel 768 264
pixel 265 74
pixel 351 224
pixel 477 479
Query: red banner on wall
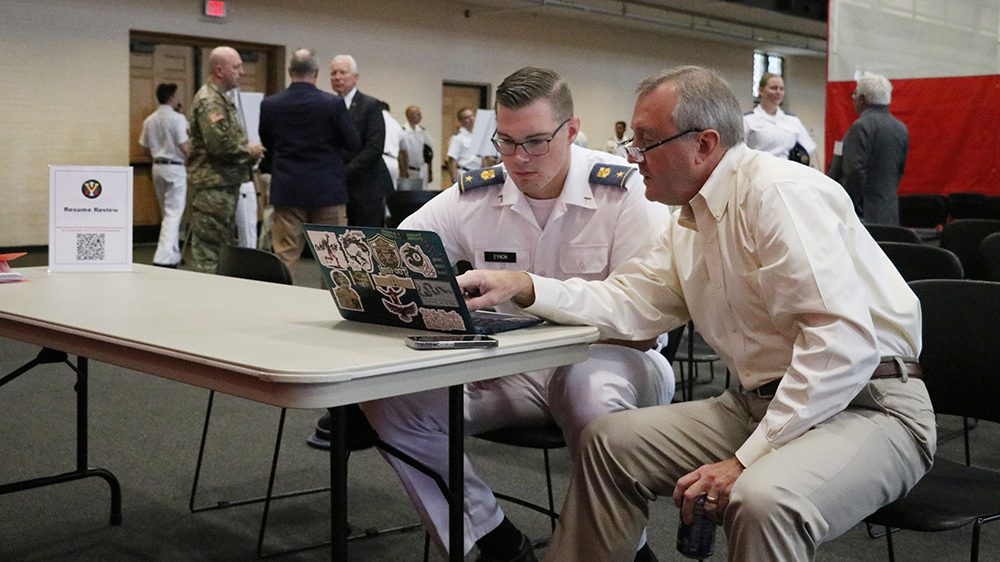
pixel 954 126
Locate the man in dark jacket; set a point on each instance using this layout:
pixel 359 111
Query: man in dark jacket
pixel 368 181
pixel 874 153
pixel 305 131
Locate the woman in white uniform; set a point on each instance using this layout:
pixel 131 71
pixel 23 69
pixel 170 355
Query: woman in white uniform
pixel 770 129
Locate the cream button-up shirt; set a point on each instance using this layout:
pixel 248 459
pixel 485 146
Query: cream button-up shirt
pixel 780 277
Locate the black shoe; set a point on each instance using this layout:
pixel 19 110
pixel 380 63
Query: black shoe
pixel 525 553
pixel 167 265
pixel 645 554
pixel 360 434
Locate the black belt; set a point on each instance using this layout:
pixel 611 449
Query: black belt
pixel 889 368
pixel 389 155
pixel 167 161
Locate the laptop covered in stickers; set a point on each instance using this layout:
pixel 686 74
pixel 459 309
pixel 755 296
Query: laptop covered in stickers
pixel 398 278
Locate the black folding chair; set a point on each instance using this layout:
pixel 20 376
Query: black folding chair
pixel 892 233
pixel 959 360
pixel 919 261
pixel 964 237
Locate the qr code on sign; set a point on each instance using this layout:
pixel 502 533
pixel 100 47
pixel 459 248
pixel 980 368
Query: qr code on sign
pixel 90 246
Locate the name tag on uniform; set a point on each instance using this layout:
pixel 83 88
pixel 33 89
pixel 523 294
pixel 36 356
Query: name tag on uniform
pixel 500 257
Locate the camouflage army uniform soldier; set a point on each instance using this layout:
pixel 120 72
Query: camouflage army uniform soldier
pixel 220 160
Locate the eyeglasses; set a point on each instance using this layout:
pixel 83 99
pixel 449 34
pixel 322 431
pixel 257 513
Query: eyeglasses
pixel 636 153
pixel 533 147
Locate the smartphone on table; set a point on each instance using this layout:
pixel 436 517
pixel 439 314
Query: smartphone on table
pixel 451 341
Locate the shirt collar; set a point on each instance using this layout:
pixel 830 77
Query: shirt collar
pixel 760 111
pixel 715 194
pixel 576 187
pixel 349 98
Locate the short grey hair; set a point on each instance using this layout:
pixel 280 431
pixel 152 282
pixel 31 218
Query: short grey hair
pixel 875 88
pixel 303 63
pixel 705 101
pixel 352 64
pixel 530 84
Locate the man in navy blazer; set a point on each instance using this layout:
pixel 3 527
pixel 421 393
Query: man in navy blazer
pixel 368 180
pixel 306 132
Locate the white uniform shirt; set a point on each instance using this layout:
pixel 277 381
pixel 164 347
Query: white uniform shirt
pixel 413 142
pixel 613 145
pixel 591 230
pixel 390 149
pixel 776 133
pixel 163 132
pixel 781 278
pixel 460 148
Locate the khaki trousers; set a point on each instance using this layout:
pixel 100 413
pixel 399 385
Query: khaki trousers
pixel 806 492
pixel 287 237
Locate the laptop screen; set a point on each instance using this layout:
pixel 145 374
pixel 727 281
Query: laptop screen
pixel 389 276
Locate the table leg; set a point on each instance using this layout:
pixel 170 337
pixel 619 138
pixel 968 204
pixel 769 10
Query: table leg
pixel 338 482
pixel 456 472
pixel 82 470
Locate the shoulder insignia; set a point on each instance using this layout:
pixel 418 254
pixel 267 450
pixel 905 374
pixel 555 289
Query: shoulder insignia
pixel 610 174
pixel 474 179
pixel 790 113
pixel 748 113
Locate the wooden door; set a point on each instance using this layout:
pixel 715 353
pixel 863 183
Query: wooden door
pixel 453 98
pixel 165 63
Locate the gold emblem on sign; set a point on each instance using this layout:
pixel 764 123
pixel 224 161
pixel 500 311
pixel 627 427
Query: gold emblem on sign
pixel 603 172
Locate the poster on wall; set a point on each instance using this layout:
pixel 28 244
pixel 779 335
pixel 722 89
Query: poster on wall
pixel 90 218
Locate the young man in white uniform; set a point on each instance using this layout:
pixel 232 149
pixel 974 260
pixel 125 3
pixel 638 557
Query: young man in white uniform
pixel 165 138
pixel 412 148
pixel 555 209
pixel 461 154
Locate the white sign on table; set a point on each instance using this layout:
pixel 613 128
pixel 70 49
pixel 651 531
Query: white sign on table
pixel 90 218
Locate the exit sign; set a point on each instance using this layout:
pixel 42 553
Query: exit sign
pixel 215 9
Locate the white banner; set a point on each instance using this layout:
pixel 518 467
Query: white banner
pixel 908 39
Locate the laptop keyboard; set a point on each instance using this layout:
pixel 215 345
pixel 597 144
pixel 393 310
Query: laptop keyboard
pixel 490 322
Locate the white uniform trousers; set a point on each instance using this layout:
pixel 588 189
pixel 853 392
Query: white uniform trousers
pixel 615 378
pixel 246 216
pixel 170 186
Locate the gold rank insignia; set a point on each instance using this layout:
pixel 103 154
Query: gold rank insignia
pixel 482 177
pixel 610 174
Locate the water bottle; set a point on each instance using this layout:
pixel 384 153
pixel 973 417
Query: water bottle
pixel 696 539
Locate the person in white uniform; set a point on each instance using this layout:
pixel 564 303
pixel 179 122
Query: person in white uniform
pixel 246 205
pixel 412 150
pixel 461 154
pixel 393 140
pixel 773 265
pixel 556 209
pixel 770 129
pixel 165 138
pixel 613 145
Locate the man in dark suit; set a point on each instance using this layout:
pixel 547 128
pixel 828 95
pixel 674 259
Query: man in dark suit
pixel 368 180
pixel 305 131
pixel 874 153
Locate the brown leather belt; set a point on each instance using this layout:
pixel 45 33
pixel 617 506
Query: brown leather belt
pixel 889 368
